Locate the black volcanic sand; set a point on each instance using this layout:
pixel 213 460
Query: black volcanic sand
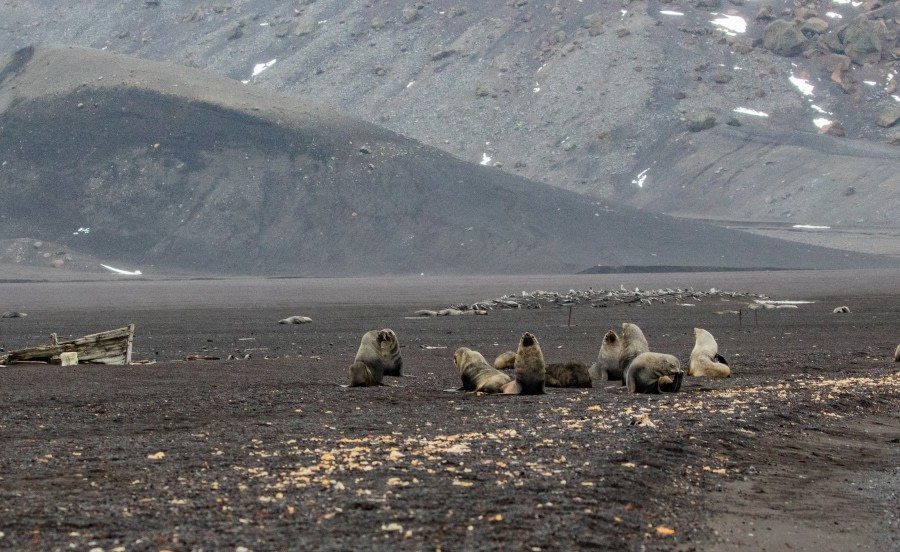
pixel 799 449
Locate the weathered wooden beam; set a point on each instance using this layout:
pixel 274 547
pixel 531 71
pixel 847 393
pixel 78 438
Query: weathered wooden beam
pixel 109 347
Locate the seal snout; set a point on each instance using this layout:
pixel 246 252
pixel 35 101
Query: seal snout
pixel 527 340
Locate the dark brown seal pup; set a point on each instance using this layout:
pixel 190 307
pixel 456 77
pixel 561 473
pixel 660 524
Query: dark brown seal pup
pixel 633 344
pixel 363 375
pixel 568 374
pixel 607 366
pixel 654 373
pixel 378 355
pixel 476 373
pixel 531 371
pixel 705 358
pixel 505 361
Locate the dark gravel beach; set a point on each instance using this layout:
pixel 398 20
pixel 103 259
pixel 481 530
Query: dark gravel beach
pixel 798 450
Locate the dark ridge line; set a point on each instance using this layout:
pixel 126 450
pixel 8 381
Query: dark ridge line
pixel 638 269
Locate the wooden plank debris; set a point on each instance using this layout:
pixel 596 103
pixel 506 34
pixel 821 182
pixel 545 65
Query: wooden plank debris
pixel 109 347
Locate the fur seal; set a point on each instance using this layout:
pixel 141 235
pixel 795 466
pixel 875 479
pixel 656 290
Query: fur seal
pixel 531 371
pixel 568 374
pixel 505 361
pixel 841 310
pixel 607 365
pixel 654 373
pixel 897 354
pixel 378 355
pixel 705 358
pixel 13 314
pixel 296 320
pixel 476 373
pixel 633 344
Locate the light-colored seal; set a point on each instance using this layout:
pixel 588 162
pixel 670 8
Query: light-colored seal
pixel 841 310
pixel 705 358
pixel 13 314
pixel 378 355
pixel 296 320
pixel 476 373
pixel 654 373
pixel 530 369
pixel 505 361
pixel 633 344
pixel 607 365
pixel 568 374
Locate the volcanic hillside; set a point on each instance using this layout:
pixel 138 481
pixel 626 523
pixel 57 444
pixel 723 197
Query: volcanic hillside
pixel 142 164
pixel 595 97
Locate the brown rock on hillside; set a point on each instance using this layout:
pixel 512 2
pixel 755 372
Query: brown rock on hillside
pixel 784 38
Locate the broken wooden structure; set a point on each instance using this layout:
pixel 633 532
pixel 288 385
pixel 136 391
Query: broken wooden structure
pixel 109 347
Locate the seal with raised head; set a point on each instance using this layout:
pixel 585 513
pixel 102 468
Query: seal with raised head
pixel 633 344
pixel 568 374
pixel 378 355
pixel 530 369
pixel 476 373
pixel 505 361
pixel 654 373
pixel 705 358
pixel 607 365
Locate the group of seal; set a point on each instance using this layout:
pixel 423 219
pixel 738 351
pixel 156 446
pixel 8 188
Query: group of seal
pixel 627 359
pixel 378 356
pixel 559 374
pixel 530 372
pixel 630 360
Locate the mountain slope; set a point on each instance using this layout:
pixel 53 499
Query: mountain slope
pixel 581 95
pixel 148 164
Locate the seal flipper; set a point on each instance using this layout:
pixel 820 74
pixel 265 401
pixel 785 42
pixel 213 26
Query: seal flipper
pixel 512 388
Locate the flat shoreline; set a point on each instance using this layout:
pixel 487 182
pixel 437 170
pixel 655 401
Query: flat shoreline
pixel 410 290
